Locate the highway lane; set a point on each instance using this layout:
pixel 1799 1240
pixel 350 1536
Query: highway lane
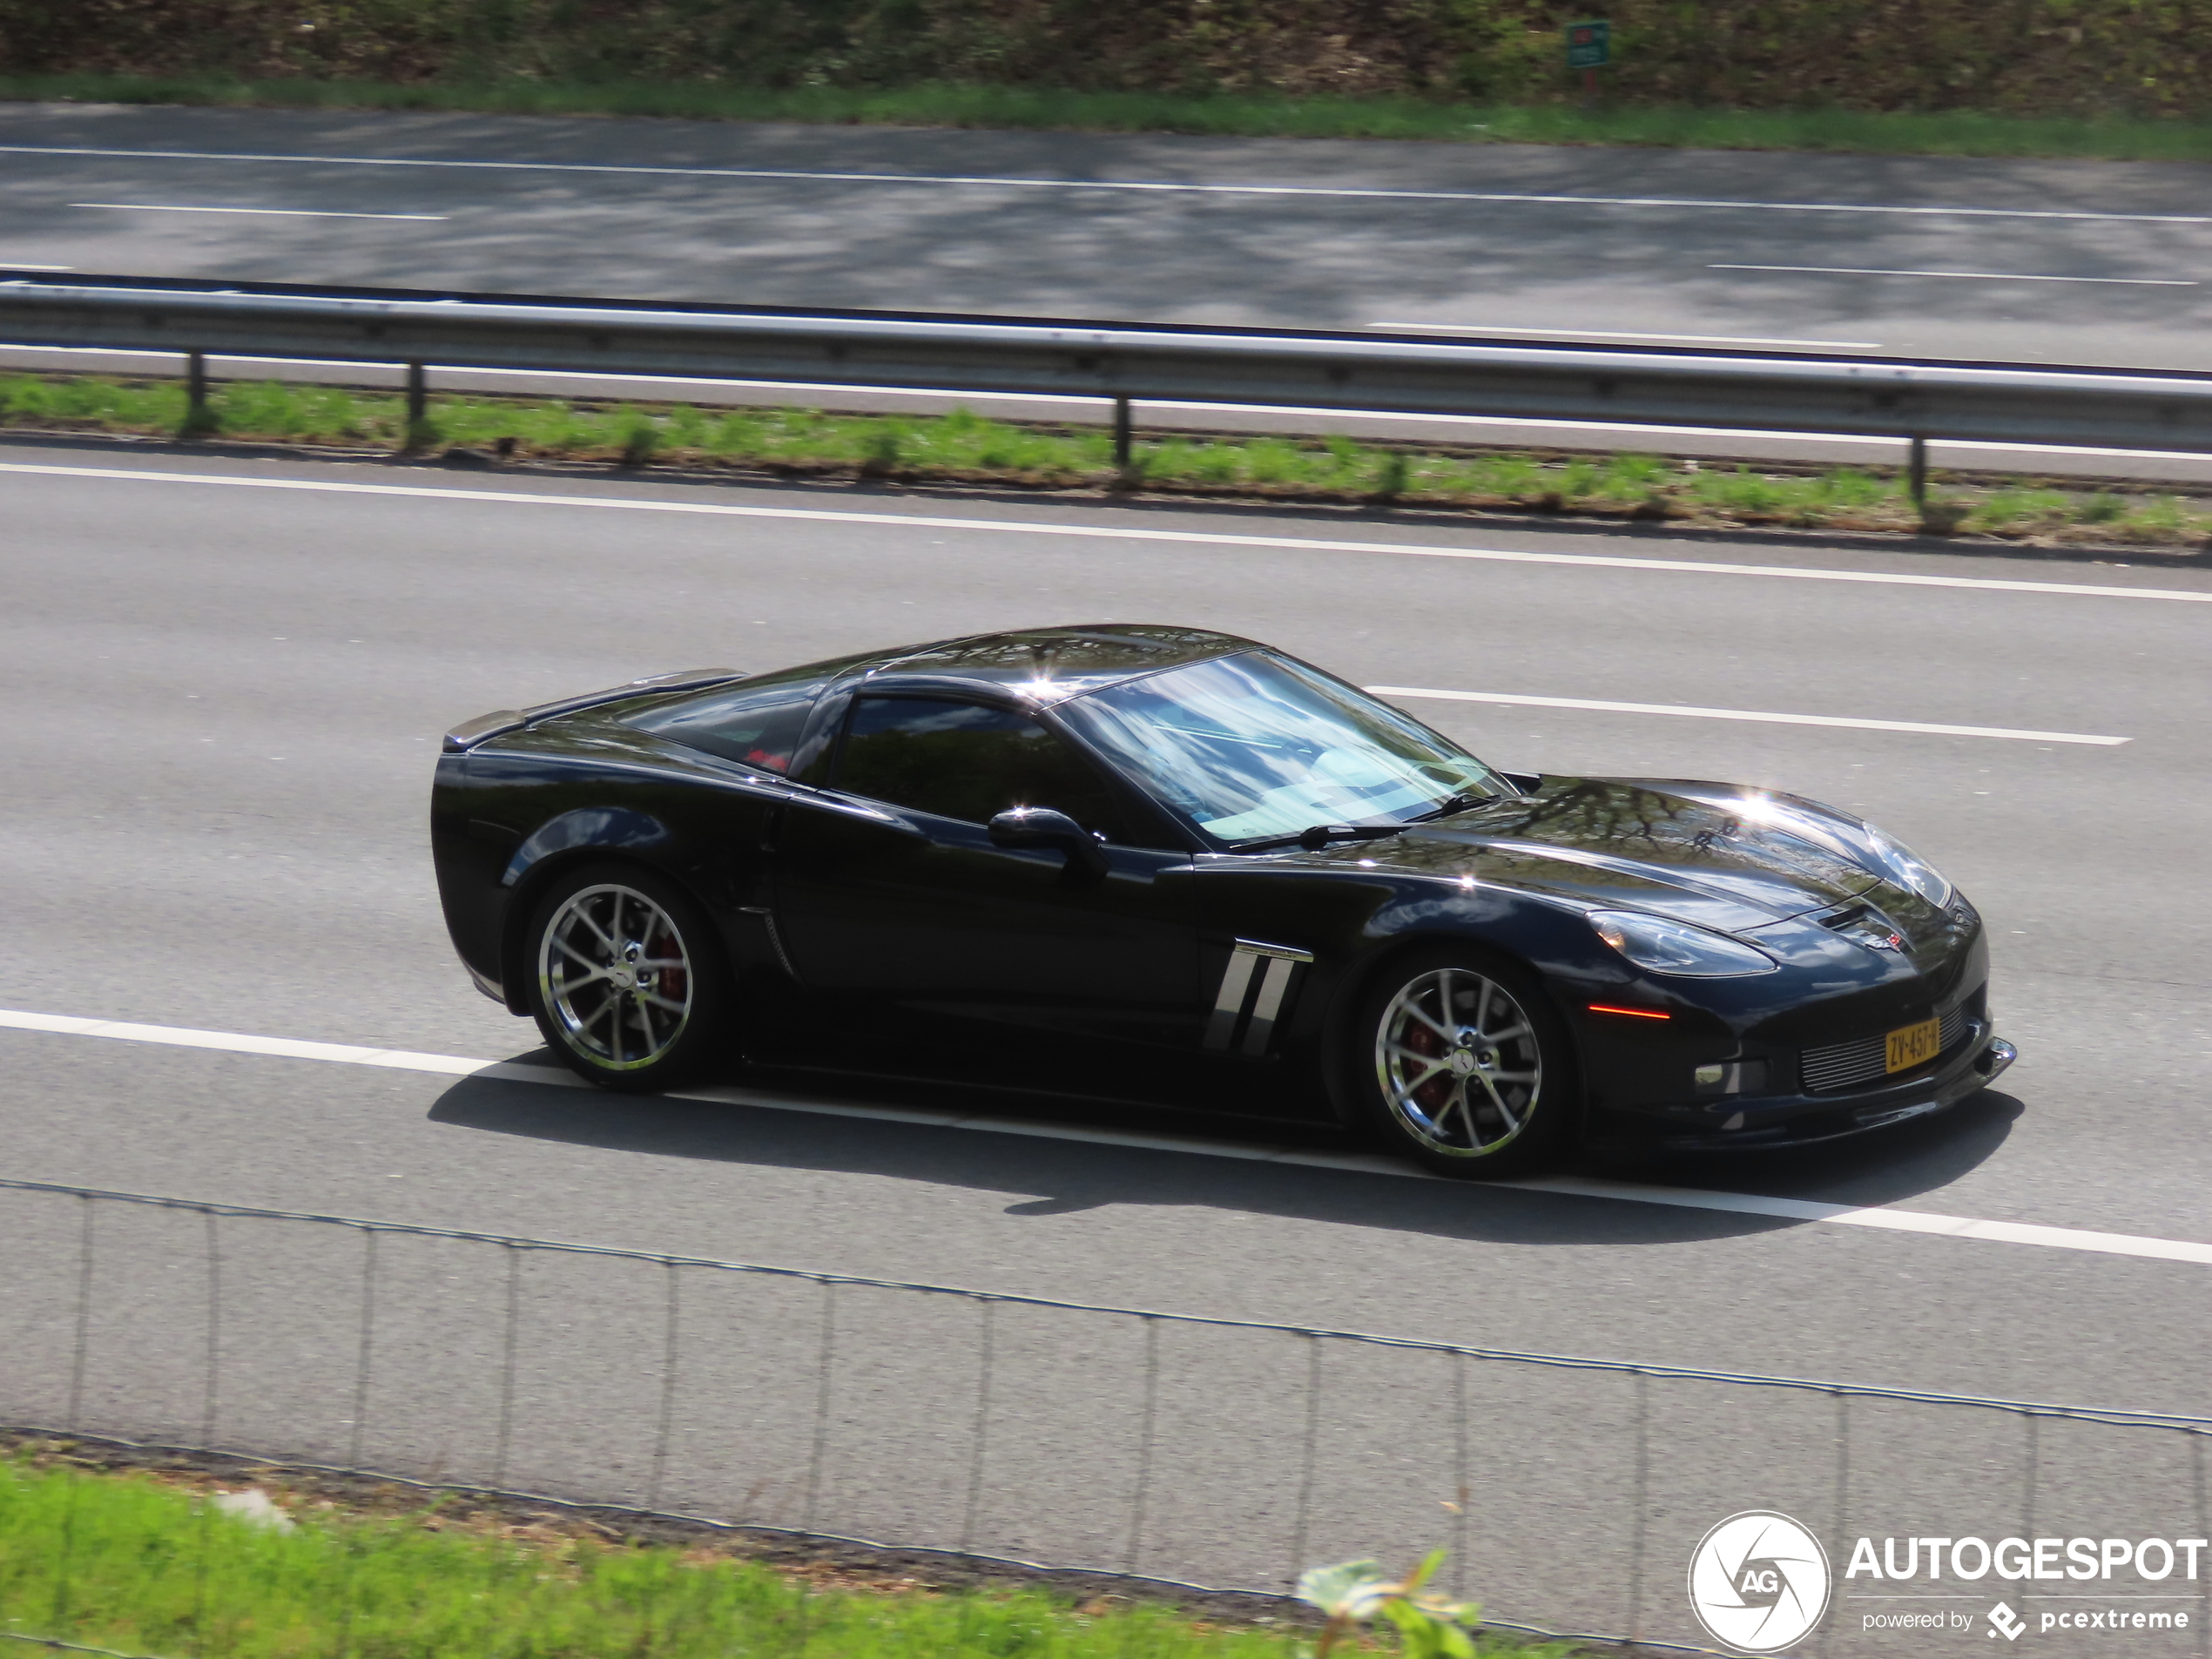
pixel 224 702
pixel 2027 260
pixel 247 686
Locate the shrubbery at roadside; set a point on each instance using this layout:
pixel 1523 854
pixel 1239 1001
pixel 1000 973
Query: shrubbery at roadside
pixel 2042 58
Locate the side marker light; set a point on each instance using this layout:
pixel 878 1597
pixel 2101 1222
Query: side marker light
pixel 1632 1013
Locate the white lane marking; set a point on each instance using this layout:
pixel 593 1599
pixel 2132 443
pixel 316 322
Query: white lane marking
pixel 17 264
pixel 1109 533
pixel 1910 1221
pixel 238 1042
pixel 1975 276
pixel 1169 187
pixel 269 213
pixel 1478 329
pixel 1512 698
pixel 1750 1203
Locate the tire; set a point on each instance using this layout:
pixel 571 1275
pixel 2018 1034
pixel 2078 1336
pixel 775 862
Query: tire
pixel 1489 1091
pixel 627 978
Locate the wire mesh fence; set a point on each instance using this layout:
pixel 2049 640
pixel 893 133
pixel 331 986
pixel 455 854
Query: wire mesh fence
pixel 1209 1453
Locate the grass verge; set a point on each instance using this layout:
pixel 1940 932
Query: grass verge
pixel 963 447
pixel 1953 133
pixel 149 1563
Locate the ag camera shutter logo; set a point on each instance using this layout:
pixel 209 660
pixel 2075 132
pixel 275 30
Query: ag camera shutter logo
pixel 1759 1582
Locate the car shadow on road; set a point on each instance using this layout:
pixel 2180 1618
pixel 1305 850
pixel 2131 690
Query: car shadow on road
pixel 1052 1155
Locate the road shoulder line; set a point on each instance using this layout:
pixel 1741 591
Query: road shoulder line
pixel 1140 187
pixel 1881 1218
pixel 1101 532
pixel 1690 710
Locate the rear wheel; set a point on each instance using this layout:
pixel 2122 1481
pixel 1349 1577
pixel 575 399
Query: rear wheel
pixel 1462 1065
pixel 626 979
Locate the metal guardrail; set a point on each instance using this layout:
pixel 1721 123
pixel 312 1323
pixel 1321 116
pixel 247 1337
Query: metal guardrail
pixel 1032 1431
pixel 1372 374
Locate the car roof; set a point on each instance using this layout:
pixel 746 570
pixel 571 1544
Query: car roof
pixel 1042 665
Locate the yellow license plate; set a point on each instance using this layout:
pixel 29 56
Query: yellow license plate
pixel 1915 1045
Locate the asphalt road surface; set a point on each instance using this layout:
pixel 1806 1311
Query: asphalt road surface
pixel 2096 263
pixel 2029 260
pixel 226 679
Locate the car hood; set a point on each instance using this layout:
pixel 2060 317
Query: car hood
pixel 1714 854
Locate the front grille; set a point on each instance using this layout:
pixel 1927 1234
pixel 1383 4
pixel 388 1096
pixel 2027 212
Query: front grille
pixel 1841 1064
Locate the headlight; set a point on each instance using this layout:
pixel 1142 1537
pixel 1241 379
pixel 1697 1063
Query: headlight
pixel 1907 868
pixel 1662 947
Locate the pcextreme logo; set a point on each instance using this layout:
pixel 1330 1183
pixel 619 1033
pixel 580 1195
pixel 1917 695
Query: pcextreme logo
pixel 1759 1582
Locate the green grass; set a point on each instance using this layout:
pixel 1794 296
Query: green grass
pixel 964 446
pixel 152 1568
pixel 1960 133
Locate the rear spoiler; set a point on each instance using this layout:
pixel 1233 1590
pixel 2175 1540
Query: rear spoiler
pixel 469 734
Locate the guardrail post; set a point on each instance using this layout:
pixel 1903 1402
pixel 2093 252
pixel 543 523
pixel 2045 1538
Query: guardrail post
pixel 1121 434
pixel 1917 473
pixel 418 395
pixel 195 391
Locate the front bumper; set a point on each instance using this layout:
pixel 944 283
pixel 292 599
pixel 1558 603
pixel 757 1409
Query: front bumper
pixel 1770 1122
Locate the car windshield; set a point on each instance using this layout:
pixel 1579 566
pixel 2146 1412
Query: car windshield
pixel 1255 747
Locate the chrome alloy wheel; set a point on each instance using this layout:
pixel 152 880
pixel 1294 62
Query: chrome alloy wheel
pixel 1458 1062
pixel 615 976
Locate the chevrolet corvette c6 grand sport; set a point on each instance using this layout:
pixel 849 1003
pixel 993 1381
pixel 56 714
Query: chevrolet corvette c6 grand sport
pixel 1170 865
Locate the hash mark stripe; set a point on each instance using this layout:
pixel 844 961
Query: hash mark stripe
pixel 1235 979
pixel 1271 989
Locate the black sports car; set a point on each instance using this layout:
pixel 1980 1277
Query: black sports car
pixel 1162 864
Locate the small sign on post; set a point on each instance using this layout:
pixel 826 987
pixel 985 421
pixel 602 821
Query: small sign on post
pixel 1590 48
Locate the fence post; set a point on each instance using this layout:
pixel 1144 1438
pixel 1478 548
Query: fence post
pixel 349 1534
pixel 981 1437
pixel 1917 474
pixel 824 1360
pixel 506 1367
pixel 1124 438
pixel 1460 1476
pixel 1843 1501
pixel 62 1580
pixel 1310 1453
pixel 214 1334
pixel 2204 1522
pixel 418 397
pixel 668 1368
pixel 1144 1442
pixel 1640 1499
pixel 366 1354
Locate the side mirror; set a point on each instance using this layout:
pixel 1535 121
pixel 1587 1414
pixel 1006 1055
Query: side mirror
pixel 1021 826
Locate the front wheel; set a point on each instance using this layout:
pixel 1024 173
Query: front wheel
pixel 627 982
pixel 1461 1064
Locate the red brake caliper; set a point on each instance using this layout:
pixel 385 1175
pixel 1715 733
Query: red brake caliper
pixel 670 982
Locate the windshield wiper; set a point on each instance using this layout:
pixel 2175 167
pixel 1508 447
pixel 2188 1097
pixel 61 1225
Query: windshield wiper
pixel 1314 837
pixel 1459 803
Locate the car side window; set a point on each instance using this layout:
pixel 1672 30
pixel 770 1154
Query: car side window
pixel 756 722
pixel 968 761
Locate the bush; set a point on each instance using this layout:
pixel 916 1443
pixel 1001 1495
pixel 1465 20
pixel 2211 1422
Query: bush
pixel 2046 56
